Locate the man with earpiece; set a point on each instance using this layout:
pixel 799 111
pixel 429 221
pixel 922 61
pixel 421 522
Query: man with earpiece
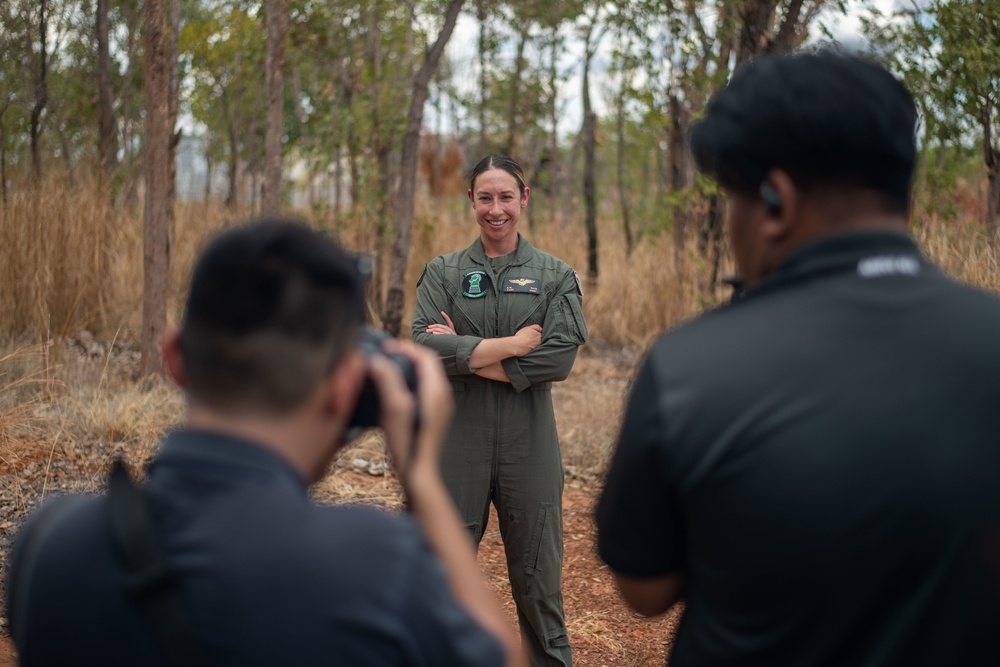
pixel 813 468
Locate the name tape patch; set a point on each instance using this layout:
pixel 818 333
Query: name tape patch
pixel 888 265
pixel 522 285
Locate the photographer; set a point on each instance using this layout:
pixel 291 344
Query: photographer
pixel 813 468
pixel 244 568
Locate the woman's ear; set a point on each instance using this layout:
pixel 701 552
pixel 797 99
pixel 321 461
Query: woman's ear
pixel 524 197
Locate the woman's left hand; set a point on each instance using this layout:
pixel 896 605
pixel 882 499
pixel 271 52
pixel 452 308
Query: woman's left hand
pixel 448 328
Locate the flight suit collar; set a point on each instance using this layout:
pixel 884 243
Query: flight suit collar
pixel 872 251
pixel 522 255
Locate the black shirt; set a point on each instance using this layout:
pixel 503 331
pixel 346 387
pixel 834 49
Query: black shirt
pixel 267 577
pixel 821 461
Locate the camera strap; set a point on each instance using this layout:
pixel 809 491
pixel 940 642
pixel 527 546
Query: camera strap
pixel 149 581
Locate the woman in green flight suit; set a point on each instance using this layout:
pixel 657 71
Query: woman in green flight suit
pixel 507 320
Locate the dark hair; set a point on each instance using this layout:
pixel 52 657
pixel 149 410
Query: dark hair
pixel 273 307
pixel 828 119
pixel 498 162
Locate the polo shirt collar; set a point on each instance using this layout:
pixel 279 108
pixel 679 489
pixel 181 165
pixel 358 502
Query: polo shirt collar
pixel 882 250
pixel 191 446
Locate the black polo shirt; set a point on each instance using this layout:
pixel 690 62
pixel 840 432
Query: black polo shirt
pixel 268 577
pixel 820 460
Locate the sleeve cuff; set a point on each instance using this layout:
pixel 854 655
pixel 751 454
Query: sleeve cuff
pixel 518 380
pixel 463 353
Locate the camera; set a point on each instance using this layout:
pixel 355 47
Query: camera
pixel 367 412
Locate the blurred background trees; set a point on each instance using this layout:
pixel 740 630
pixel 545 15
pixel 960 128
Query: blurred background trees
pixel 369 116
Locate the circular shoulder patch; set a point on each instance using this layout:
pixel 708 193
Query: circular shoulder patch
pixel 475 284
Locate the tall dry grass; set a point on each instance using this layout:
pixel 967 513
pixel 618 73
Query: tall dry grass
pixel 70 260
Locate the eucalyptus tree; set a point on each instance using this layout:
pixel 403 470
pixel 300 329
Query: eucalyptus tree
pixel 948 53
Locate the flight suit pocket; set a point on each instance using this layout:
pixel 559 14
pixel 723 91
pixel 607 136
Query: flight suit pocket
pixel 543 559
pixel 572 313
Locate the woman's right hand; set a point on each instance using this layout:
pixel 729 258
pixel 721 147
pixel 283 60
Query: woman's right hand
pixel 527 339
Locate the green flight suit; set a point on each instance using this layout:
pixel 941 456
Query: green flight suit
pixel 503 446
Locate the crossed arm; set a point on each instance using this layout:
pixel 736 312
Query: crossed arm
pixel 488 355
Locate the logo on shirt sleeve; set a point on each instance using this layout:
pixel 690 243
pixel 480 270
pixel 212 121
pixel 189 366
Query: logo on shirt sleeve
pixel 475 284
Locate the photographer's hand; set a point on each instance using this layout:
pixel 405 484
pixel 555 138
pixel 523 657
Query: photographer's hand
pixel 417 467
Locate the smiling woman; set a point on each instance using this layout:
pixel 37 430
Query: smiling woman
pixel 506 320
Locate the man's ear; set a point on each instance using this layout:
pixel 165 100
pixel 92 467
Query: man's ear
pixel 781 202
pixel 344 385
pixel 173 357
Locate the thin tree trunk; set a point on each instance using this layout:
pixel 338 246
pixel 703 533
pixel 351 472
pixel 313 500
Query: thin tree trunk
pixel 554 163
pixel 992 160
pixel 41 92
pixel 675 146
pixel 107 147
pixel 622 189
pixel 589 157
pixel 393 311
pixel 157 233
pixel 276 18
pixel 515 94
pixel 208 174
pixel 482 14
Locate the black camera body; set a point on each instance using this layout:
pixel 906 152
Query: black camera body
pixel 368 410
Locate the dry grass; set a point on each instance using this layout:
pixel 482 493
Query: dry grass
pixel 70 261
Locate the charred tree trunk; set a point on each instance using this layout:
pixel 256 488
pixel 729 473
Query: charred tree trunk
pixel 393 311
pixel 41 92
pixel 554 162
pixel 157 233
pixel 107 145
pixel 482 15
pixel 276 18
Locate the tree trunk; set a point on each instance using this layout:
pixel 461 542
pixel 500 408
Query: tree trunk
pixel 515 93
pixel 107 145
pixel 393 311
pixel 208 173
pixel 992 160
pixel 41 92
pixel 157 233
pixel 787 37
pixel 482 14
pixel 173 94
pixel 589 137
pixel 554 162
pixel 622 189
pixel 755 19
pixel 276 18
pixel 675 146
pixel 589 140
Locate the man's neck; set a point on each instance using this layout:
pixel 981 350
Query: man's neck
pixel 288 437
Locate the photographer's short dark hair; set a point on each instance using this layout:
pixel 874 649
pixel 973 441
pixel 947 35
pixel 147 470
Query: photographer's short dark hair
pixel 273 307
pixel 827 119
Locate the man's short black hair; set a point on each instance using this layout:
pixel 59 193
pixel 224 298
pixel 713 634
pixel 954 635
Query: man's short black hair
pixel 273 307
pixel 827 119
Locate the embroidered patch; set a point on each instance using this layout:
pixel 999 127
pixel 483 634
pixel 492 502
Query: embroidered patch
pixel 522 285
pixel 474 284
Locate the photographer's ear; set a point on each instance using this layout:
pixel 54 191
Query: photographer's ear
pixel 172 355
pixel 344 384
